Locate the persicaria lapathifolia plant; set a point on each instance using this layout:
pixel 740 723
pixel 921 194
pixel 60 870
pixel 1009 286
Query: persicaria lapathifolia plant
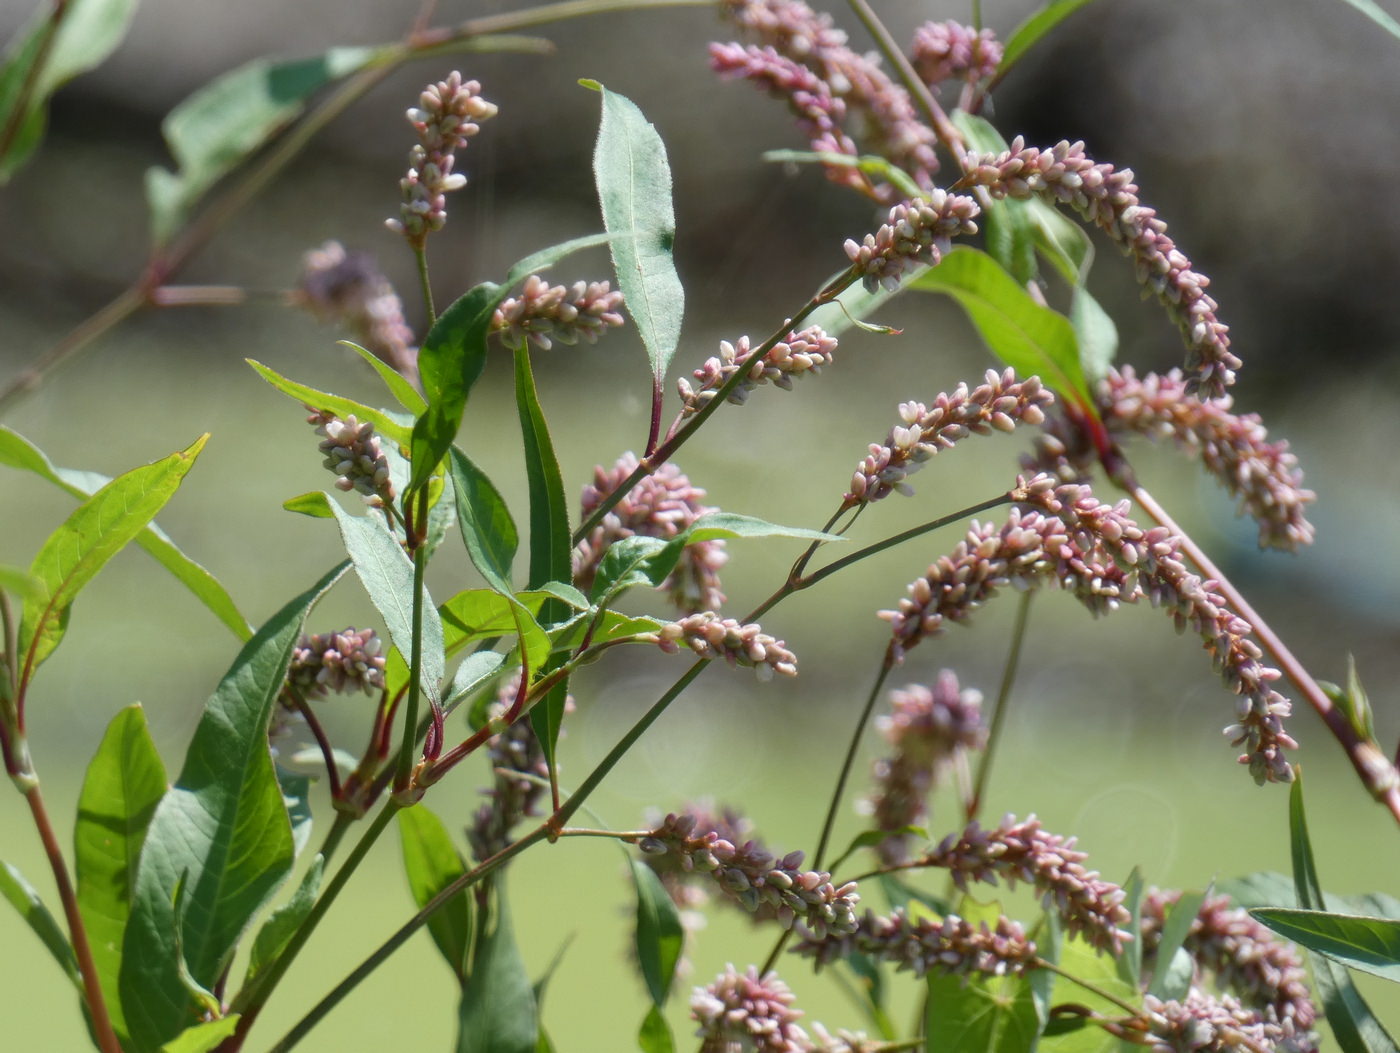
pixel 172 879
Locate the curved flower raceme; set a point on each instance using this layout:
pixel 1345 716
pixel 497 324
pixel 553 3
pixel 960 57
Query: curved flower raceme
pixel 343 662
pixel 800 353
pixel 353 453
pixel 710 636
pixel 939 945
pixel 1108 198
pixel 804 900
pixel 918 231
pixel 662 505
pixel 999 403
pixel 544 312
pixel 1264 972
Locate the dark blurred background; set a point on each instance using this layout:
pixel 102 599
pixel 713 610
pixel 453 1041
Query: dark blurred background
pixel 1265 137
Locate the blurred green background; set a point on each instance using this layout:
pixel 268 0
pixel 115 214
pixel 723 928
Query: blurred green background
pixel 1268 144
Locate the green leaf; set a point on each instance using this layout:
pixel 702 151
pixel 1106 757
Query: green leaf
pixel 124 784
pixel 387 575
pixel 202 1038
pixel 995 1014
pixel 221 835
pixel 1369 944
pixel 871 838
pixel 1097 333
pixel 78 37
pixel 18 452
pixel 870 164
pixel 1168 981
pixel 96 531
pixel 1353 701
pixel 487 528
pixel 281 925
pixel 406 394
pixel 1377 14
pixel 1130 960
pixel 223 123
pixel 20 582
pixel 1010 238
pixel 1354 1026
pixel 316 504
pixel 384 424
pixel 476 669
pixel 714 525
pixel 432 863
pixel 634 190
pixel 659 936
pixel 606 626
pixel 1080 960
pixel 1029 338
pixel 498 1013
pixel 855 304
pixel 655 1034
pixel 25 899
pixel 1033 28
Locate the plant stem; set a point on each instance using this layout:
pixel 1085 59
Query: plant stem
pixel 82 949
pixel 403 774
pixel 1008 678
pixel 852 748
pixel 250 1000
pixel 1376 772
pixel 420 255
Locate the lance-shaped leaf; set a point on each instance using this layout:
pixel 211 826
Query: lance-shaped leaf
pixel 387 575
pixel 453 356
pixel 1173 981
pixel 1353 1024
pixel 18 452
pixel 215 129
pixel 498 1012
pixel 124 783
pixel 282 923
pixel 23 897
pixel 59 42
pixel 1040 22
pixel 487 528
pixel 395 381
pixel 1029 338
pixel 654 1036
pixel 221 836
pixel 1369 944
pixel 432 863
pixel 342 407
pixel 96 531
pixel 659 935
pixel 634 190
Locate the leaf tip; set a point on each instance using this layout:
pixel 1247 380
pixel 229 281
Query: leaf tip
pixel 590 84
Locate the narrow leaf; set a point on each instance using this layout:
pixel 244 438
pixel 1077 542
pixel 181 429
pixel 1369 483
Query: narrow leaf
pixel 498 1013
pixel 221 835
pixel 387 575
pixel 634 190
pixel 82 36
pixel 25 899
pixel 18 452
pixel 1167 982
pixel 487 528
pixel 226 121
pixel 21 583
pixel 1354 1026
pixel 655 1034
pixel 732 525
pixel 1130 960
pixel 96 531
pixel 316 504
pixel 1377 14
pixel 1029 338
pixel 1024 36
pixel 384 424
pixel 282 923
pixel 124 783
pixel 659 936
pixel 203 1038
pixel 395 381
pixel 1369 944
pixel 432 863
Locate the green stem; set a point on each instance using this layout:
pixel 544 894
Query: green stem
pixel 335 835
pixel 251 999
pixel 420 254
pixel 973 803
pixel 403 775
pixel 852 748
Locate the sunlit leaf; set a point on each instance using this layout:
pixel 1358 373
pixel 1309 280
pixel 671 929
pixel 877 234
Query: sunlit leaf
pixel 634 190
pixel 221 836
pixel 23 897
pixel 654 1036
pixel 1369 944
pixel 1169 982
pixel 203 1038
pixel 397 384
pixel 487 528
pixel 384 424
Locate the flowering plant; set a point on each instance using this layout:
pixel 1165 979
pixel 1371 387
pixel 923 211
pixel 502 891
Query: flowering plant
pixel 169 882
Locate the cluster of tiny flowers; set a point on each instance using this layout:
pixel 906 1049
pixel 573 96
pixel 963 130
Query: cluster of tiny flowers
pixel 710 636
pixel 804 900
pixel 543 312
pixel 891 125
pixel 1024 851
pixel 747 1013
pixel 927 728
pixel 1204 1022
pixel 661 506
pixel 945 50
pixel 997 404
pixel 347 288
pixel 1155 561
pixel 680 883
pixel 1109 198
pixel 1234 448
pixel 801 352
pixel 929 945
pixel 517 749
pixel 353 454
pixel 335 662
pixel 445 118
pixel 1244 957
pixel 919 231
